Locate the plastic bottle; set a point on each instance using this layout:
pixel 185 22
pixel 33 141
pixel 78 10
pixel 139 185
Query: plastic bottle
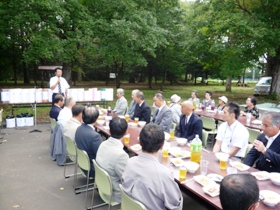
pixel 213 105
pixel 109 111
pixel 196 147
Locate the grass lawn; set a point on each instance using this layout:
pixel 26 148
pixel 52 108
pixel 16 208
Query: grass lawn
pixel 238 94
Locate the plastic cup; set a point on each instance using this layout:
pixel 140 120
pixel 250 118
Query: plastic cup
pixel 248 117
pixel 182 173
pixel 204 167
pixel 136 119
pixel 165 152
pixel 223 161
pixel 127 117
pixel 231 170
pixel 202 107
pixel 172 133
pixel 127 138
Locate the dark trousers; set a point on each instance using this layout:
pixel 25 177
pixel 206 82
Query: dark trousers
pixel 53 95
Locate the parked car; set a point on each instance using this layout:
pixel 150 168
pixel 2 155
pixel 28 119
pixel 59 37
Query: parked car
pixel 263 86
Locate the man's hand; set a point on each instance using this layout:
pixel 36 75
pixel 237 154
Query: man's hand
pixel 259 146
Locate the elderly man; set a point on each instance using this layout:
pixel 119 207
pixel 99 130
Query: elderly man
pixel 232 137
pixel 58 84
pixel 66 113
pixel 163 114
pixel 71 125
pixel 133 103
pixel 86 137
pixel 142 109
pixel 146 179
pixel 121 104
pixel 190 123
pixel 176 108
pixel 114 163
pixel 56 108
pixel 251 107
pixel 194 97
pixel 239 191
pixel 266 150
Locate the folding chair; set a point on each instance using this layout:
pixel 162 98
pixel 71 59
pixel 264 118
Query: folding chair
pixel 72 154
pixel 253 134
pixel 84 163
pixel 1 125
pixel 105 188
pixel 209 126
pixel 204 137
pixel 129 203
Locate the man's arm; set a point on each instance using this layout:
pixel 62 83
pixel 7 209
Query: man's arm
pixel 147 113
pixel 54 83
pixel 233 151
pixel 197 129
pixel 166 121
pixel 121 164
pixel 217 146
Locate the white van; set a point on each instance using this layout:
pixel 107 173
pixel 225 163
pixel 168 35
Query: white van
pixel 263 86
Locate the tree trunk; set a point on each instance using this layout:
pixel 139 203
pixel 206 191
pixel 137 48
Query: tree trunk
pixel 228 83
pixel 150 77
pixel 273 69
pixel 26 79
pixel 67 68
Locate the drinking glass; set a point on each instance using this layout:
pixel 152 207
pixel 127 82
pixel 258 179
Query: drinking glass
pixel 223 161
pixel 204 167
pixel 127 138
pixel 127 117
pixel 136 119
pixel 182 173
pixel 165 152
pixel 172 134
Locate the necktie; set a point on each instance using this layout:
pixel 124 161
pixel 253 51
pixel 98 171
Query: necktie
pixel 186 120
pixel 155 115
pixel 59 88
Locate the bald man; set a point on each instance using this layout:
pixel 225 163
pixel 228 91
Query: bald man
pixel 190 123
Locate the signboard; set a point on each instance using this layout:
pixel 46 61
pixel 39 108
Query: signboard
pixel 112 75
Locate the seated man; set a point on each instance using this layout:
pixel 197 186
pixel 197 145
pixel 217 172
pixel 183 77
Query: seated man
pixel 239 191
pixel 176 108
pixel 133 103
pixel 146 179
pixel 56 108
pixel 232 137
pixel 121 104
pixel 142 109
pixel 86 137
pixel 66 113
pixel 71 125
pixel 163 114
pixel 190 123
pixel 114 163
pixel 251 107
pixel 266 150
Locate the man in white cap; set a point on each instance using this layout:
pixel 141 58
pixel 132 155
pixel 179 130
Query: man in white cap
pixel 176 108
pixel 222 102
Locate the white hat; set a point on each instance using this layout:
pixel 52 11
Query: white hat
pixel 175 98
pixel 224 99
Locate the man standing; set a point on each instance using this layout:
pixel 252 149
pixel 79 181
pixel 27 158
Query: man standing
pixel 114 163
pixel 266 150
pixel 56 108
pixel 87 138
pixel 121 104
pixel 147 180
pixel 142 109
pixel 66 113
pixel 163 115
pixel 58 84
pixel 190 123
pixel 133 103
pixel 239 191
pixel 71 125
pixel 232 137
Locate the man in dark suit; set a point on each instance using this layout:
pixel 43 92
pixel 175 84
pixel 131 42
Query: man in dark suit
pixel 163 115
pixel 266 150
pixel 56 108
pixel 190 123
pixel 142 109
pixel 86 137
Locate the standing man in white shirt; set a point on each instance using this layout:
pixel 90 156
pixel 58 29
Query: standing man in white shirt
pixel 232 137
pixel 58 84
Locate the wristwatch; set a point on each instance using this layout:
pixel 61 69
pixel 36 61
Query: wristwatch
pixel 264 151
